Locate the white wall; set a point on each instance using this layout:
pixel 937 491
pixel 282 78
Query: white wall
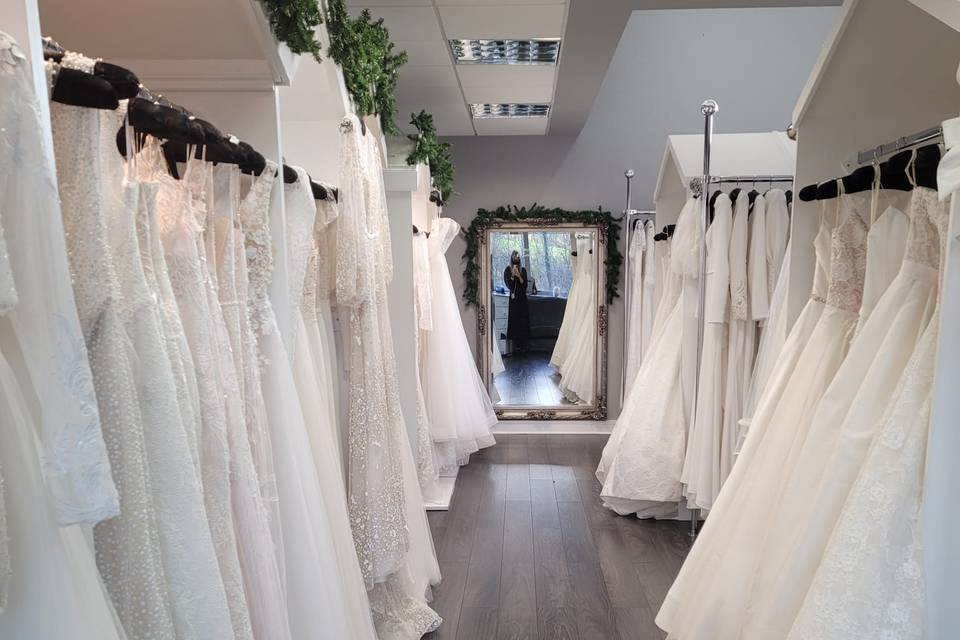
pixel 752 61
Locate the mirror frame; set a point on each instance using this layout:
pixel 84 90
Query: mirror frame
pixel 598 409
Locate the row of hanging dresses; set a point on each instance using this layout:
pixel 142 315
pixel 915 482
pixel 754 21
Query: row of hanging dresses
pixel 389 523
pixel 814 534
pixel 458 406
pixel 746 241
pixel 642 282
pixel 47 401
pixel 577 370
pixel 642 461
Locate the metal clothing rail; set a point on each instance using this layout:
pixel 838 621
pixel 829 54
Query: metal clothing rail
pixel 629 217
pixel 904 142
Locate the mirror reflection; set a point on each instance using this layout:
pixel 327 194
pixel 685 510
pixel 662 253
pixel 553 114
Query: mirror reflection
pixel 543 317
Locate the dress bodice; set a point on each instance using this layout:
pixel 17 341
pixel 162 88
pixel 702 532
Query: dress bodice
pixel 254 217
pixel 739 239
pixel 848 257
pixel 822 250
pixel 301 215
pixel 326 233
pixel 685 246
pixel 923 238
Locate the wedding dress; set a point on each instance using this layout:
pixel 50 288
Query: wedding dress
pixel 428 468
pixel 845 421
pixel 386 508
pixel 649 286
pixel 457 402
pixel 708 598
pixel 635 339
pixel 701 466
pixel 577 372
pixel 163 564
pixel 301 223
pixel 318 604
pixel 262 578
pixel 641 463
pixel 776 361
pixel 43 364
pixel 579 291
pixel 741 344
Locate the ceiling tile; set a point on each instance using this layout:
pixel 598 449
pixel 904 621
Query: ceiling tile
pixel 511 126
pixel 386 3
pixel 425 53
pixel 500 3
pixel 521 21
pixel 414 24
pixel 506 76
pixel 428 96
pixel 508 94
pixel 411 76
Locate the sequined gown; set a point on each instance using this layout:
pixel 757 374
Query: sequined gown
pixel 386 508
pixel 43 363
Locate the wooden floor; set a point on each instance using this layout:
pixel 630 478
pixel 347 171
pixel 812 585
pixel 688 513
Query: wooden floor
pixel 529 380
pixel 527 550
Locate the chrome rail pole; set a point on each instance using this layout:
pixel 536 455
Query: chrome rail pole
pixel 709 109
pixel 627 215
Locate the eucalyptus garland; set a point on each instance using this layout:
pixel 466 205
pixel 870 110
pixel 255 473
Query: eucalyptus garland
pixel 293 22
pixel 428 149
pixel 362 48
pixel 512 213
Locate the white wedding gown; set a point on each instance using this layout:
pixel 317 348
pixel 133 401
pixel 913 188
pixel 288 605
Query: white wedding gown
pixel 847 418
pixel 458 406
pixel 635 340
pixel 708 598
pixel 641 463
pixel 701 465
pixel 577 370
pixel 40 561
pixel 389 523
pixel 576 302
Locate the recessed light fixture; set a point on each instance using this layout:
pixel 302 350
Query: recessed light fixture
pixel 532 51
pixel 510 110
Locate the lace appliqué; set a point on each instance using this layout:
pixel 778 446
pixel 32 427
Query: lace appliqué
pixel 253 216
pixel 848 263
pixel 398 616
pixel 923 243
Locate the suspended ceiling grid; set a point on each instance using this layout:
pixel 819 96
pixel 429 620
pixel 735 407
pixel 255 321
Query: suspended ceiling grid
pixel 431 80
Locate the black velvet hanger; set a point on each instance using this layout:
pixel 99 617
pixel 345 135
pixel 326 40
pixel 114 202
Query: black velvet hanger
pixel 670 228
pixel 808 193
pixel 320 193
pixel 123 81
pixel 289 174
pixel 735 194
pixel 893 172
pixel 251 162
pixel 860 180
pixel 713 203
pixel 164 121
pixel 925 166
pixel 435 197
pixel 751 198
pixel 80 89
pixel 828 190
pixel 789 196
pixel 415 230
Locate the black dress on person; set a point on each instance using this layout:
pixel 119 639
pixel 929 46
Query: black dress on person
pixel 518 320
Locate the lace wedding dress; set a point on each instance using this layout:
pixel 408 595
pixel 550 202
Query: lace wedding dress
pixel 846 420
pixel 708 598
pixel 701 466
pixel 641 463
pixel 43 363
pixel 319 606
pixel 461 413
pixel 386 508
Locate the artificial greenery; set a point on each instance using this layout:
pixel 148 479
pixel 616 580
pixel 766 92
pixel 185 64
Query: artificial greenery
pixel 485 219
pixel 429 150
pixel 293 22
pixel 362 48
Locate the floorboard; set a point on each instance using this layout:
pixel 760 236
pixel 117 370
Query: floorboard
pixel 528 552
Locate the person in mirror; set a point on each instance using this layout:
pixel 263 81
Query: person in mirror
pixel 518 320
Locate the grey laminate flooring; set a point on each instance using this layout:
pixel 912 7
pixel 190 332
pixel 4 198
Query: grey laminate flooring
pixel 529 380
pixel 528 552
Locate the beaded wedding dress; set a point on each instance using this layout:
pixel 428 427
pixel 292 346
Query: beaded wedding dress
pixel 708 598
pixel 389 523
pixel 641 463
pixel 47 406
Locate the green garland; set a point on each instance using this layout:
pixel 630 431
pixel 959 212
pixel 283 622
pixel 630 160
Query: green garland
pixel 429 150
pixel 486 219
pixel 362 48
pixel 293 22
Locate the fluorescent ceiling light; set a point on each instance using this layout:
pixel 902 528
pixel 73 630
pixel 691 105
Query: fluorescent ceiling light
pixel 509 110
pixel 532 51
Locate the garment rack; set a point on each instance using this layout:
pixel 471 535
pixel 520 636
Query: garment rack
pixel 630 218
pixel 904 142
